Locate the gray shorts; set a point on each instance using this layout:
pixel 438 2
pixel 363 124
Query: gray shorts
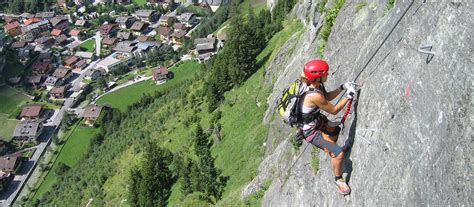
pixel 316 138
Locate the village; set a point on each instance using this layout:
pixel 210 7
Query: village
pixel 70 60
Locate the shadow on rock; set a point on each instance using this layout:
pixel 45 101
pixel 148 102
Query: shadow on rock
pixel 347 166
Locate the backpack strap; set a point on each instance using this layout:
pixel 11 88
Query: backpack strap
pixel 309 117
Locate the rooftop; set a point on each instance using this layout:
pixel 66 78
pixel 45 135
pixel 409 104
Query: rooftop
pixel 92 111
pixel 27 128
pixel 32 110
pixel 7 162
pixel 60 72
pixel 58 89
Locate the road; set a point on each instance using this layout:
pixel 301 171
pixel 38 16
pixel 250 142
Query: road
pixel 9 196
pixel 50 128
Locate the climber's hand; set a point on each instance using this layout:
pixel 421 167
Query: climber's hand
pixel 351 93
pixel 348 85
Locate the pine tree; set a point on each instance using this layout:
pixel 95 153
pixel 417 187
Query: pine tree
pixel 187 186
pixel 153 182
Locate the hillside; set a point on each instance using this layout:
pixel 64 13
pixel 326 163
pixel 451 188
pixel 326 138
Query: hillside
pixel 410 129
pixel 412 126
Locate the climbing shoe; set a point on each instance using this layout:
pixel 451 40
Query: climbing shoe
pixel 343 187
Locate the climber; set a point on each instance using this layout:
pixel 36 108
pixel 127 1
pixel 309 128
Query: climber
pixel 317 129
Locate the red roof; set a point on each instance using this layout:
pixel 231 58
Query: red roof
pixel 31 21
pixel 30 111
pixel 106 28
pixel 41 67
pixel 165 31
pixel 56 32
pixel 12 25
pixel 108 41
pixel 74 32
pixel 160 71
pixel 70 60
pixel 57 90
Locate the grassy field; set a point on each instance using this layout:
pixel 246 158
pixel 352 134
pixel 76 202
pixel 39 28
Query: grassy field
pixel 8 127
pixel 257 5
pixel 73 150
pixel 124 97
pixel 88 45
pixel 11 99
pixel 140 2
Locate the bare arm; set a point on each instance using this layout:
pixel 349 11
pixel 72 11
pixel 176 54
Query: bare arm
pixel 333 94
pixel 320 101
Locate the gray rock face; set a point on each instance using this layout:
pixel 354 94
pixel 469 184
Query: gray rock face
pixel 420 149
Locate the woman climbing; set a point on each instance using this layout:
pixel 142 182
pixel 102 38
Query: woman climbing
pixel 317 129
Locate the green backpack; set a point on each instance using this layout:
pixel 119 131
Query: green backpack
pixel 289 105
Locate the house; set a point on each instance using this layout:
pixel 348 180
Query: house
pixel 189 19
pixel 41 68
pixel 61 40
pixel 73 46
pixel 143 38
pixel 50 82
pixel 92 113
pixel 88 56
pixel 139 27
pixel 146 15
pixel 45 42
pixel 92 74
pixel 115 61
pixel 125 46
pixel 56 32
pixel 81 23
pixel 76 33
pixel 166 21
pixel 58 92
pixel 44 15
pixel 31 21
pixel 13 29
pixel 19 45
pixel 205 48
pixel 109 41
pixel 108 30
pixel 26 15
pixel 179 27
pixel 32 111
pixel 59 23
pixel 79 66
pixel 161 75
pixel 124 36
pixel 178 37
pixel 34 80
pixel 28 130
pixel 32 31
pixel 45 57
pixel 144 47
pixel 62 74
pixel 70 61
pixel 125 22
pixel 165 33
pixel 9 164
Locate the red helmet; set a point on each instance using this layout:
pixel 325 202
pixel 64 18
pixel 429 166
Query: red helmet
pixel 315 69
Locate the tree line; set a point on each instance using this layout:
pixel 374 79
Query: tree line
pixel 247 36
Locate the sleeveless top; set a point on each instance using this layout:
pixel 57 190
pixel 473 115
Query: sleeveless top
pixel 310 112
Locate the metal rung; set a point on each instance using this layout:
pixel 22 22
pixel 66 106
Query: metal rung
pixel 427 50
